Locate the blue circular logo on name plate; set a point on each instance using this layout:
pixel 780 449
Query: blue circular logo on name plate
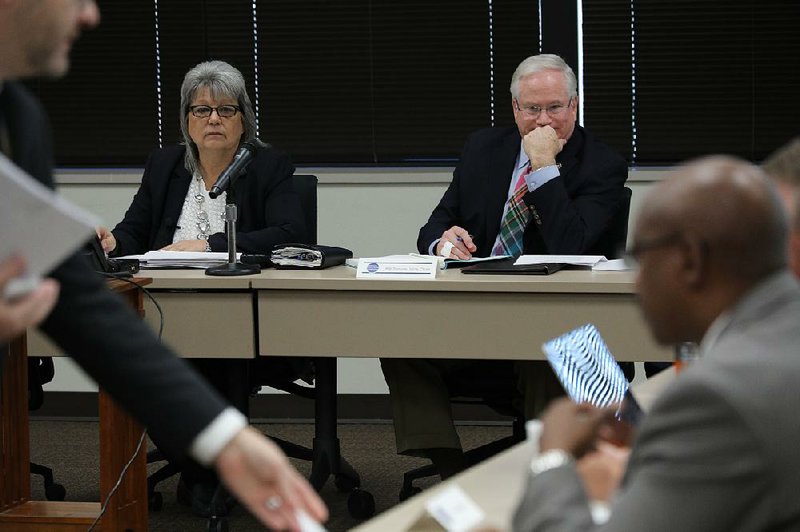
pixel 372 267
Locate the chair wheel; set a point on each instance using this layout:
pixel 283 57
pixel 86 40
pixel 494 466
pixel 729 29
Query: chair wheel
pixel 155 501
pixel 361 504
pixel 407 493
pixel 55 492
pixel 345 484
pixel 217 524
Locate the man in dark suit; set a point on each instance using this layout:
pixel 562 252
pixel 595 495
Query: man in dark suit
pixel 184 415
pixel 718 449
pixel 544 187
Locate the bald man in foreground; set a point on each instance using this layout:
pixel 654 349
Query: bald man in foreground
pixel 718 450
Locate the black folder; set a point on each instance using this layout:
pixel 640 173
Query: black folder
pixel 506 267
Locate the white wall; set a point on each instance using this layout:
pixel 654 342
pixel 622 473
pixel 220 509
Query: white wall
pixel 371 211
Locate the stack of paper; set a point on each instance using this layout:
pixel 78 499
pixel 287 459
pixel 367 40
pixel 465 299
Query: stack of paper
pixel 181 259
pixel 595 262
pixel 575 260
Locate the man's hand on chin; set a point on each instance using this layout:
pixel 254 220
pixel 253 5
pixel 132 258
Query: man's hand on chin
pixel 542 145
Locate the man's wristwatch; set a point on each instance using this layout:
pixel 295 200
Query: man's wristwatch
pixel 550 460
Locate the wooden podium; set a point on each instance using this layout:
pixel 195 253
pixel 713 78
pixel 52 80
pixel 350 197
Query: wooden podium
pixel 119 435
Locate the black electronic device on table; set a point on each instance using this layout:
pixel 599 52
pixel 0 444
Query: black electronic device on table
pixel 97 258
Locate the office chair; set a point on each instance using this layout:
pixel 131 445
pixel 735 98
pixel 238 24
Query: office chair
pixel 282 374
pixel 325 457
pixel 40 372
pixel 489 384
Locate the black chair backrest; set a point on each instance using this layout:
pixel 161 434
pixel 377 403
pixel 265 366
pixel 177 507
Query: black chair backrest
pixel 306 188
pixel 611 244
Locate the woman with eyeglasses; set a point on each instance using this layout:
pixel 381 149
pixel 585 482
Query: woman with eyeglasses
pixel 172 209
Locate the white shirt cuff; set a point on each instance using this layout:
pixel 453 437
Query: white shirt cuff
pixel 432 247
pixel 541 176
pixel 208 444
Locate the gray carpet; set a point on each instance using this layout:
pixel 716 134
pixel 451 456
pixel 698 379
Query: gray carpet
pixel 71 449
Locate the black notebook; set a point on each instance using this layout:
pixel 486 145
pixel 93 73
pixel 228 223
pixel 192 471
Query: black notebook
pixel 506 267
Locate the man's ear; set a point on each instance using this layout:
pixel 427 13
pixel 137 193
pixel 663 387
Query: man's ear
pixel 794 252
pixel 695 265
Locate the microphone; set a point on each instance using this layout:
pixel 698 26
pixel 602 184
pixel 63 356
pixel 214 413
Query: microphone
pixel 237 166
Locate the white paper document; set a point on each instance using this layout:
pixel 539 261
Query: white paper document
pixel 181 259
pixel 576 260
pixel 454 510
pixel 38 225
pixel 613 265
pixel 397 267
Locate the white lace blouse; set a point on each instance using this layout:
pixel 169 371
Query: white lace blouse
pixel 200 216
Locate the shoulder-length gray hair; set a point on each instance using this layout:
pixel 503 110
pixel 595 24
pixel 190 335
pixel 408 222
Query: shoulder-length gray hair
pixel 222 80
pixel 538 63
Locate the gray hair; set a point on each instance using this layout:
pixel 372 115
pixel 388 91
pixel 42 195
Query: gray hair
pixel 222 80
pixel 542 62
pixel 784 167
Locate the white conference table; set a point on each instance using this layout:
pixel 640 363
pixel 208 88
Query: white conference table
pixel 329 313
pixel 495 485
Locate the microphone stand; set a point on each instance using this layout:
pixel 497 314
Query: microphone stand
pixel 232 268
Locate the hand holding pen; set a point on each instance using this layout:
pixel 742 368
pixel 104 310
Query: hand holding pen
pixel 456 243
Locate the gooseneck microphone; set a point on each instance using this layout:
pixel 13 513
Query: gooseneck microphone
pixel 239 163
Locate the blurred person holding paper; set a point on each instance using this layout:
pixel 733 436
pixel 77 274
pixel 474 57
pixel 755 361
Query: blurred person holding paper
pixel 173 210
pixel 184 415
pixel 546 186
pixel 718 448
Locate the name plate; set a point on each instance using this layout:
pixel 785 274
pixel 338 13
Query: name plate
pixel 397 267
pixel 454 510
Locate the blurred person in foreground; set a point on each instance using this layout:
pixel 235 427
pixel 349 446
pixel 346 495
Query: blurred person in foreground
pixel 107 339
pixel 718 449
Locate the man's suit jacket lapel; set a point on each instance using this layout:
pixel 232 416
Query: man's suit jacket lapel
pixel 568 157
pixel 501 167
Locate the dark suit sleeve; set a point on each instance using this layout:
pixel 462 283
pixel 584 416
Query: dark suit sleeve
pixel 700 469
pixel 134 232
pixel 119 351
pixel 570 222
pixel 269 208
pixel 447 212
pixel 100 331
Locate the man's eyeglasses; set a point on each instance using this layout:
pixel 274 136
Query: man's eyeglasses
pixel 223 111
pixel 632 255
pixel 553 111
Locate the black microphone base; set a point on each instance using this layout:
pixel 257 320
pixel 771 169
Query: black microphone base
pixel 231 269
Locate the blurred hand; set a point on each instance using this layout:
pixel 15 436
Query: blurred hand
pixel 26 311
pixel 463 246
pixel 571 427
pixel 257 472
pixel 542 145
pixel 107 239
pixel 186 245
pixel 602 469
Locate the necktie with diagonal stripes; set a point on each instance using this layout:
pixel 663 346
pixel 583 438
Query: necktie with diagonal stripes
pixel 516 219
